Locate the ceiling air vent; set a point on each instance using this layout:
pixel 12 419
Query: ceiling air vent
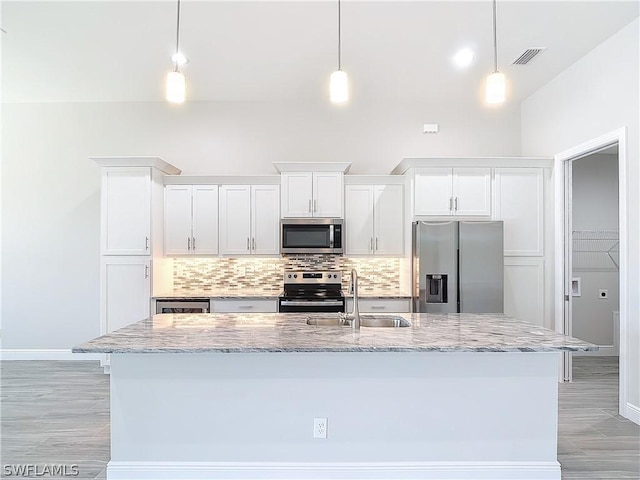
pixel 527 56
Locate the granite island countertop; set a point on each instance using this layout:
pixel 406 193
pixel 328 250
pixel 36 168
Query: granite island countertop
pixel 217 293
pixel 288 332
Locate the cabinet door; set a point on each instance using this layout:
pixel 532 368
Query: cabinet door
pixel 358 209
pixel 519 203
pixel 296 194
pixel 472 191
pixel 388 216
pixel 126 291
pixel 327 194
pixel 265 219
pixel 244 305
pixel 126 211
pixel 177 220
pixel 433 192
pixel 205 220
pixel 235 219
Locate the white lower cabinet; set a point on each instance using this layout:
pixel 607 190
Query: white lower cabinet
pixel 243 305
pixel 381 305
pixel 126 291
pixel 249 219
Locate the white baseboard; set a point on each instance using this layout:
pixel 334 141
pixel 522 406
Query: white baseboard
pixel 46 354
pixel 343 471
pixel 603 351
pixel 633 413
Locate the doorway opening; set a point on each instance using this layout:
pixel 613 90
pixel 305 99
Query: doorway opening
pixel 591 252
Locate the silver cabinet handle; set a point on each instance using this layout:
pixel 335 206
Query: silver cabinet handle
pixel 193 242
pixel 376 243
pixel 248 244
pixel 245 307
pixel 146 271
pixel 309 205
pixel 253 244
pixel 188 243
pixel 450 203
pixel 456 204
pixel 315 206
pixel 146 243
pixel 378 307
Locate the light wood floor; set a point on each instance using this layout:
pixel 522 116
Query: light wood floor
pixel 58 413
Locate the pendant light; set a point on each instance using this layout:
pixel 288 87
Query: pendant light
pixel 496 85
pixel 175 84
pixel 339 83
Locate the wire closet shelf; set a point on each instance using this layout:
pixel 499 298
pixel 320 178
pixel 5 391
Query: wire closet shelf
pixel 596 250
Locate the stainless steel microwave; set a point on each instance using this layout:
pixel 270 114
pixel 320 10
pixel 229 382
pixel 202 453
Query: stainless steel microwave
pixel 311 235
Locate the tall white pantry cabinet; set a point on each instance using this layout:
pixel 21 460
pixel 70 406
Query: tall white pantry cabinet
pixel 132 259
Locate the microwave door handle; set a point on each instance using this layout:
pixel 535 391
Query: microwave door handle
pixel 330 236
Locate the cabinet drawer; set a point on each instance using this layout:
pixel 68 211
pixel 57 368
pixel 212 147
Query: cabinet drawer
pixel 381 305
pixel 247 306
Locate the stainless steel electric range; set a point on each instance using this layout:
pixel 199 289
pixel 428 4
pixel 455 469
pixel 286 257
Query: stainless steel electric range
pixel 310 292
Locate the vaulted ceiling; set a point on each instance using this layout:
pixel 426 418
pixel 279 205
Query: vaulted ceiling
pixel 264 50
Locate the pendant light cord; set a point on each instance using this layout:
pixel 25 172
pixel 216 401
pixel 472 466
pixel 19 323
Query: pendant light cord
pixel 177 36
pixel 339 38
pixel 495 39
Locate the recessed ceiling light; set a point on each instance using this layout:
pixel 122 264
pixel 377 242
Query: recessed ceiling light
pixel 179 58
pixel 463 58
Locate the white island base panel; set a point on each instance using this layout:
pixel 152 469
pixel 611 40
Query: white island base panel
pixel 400 415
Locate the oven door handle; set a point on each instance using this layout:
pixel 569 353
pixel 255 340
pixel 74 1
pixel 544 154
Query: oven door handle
pixel 320 303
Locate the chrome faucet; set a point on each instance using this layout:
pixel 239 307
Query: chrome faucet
pixel 353 289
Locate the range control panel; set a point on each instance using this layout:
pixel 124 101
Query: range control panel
pixel 331 276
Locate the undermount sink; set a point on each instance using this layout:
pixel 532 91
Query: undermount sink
pixel 377 321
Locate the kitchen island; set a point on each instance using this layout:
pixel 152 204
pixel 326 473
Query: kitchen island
pixel 234 396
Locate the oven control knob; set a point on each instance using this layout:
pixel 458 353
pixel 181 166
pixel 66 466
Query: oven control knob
pixel 295 275
pixel 328 275
pixel 335 275
pixel 289 276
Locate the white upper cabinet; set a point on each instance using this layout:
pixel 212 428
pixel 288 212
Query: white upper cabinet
pixel 327 194
pixel 374 219
pixel 459 191
pixel 519 202
pixel 358 213
pixel 388 220
pixel 312 194
pixel 191 220
pixel 249 220
pixel 265 219
pixel 126 211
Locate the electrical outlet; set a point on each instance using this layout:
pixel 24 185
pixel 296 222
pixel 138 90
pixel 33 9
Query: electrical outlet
pixel 319 428
pixel 603 293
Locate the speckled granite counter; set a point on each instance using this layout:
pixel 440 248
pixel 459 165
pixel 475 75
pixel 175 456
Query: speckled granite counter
pixel 288 332
pixel 218 294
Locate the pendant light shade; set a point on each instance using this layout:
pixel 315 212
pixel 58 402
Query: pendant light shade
pixel 339 82
pixel 175 87
pixel 496 86
pixel 339 87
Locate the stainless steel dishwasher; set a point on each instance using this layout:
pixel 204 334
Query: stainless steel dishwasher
pixel 182 305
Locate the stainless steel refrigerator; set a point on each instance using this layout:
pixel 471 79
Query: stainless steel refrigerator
pixel 458 267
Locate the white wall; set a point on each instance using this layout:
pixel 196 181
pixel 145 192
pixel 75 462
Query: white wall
pixel 50 190
pixel 595 207
pixel 596 95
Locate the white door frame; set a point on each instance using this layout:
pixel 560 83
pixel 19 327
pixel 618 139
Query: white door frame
pixel 562 286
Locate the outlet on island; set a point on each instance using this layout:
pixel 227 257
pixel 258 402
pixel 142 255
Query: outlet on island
pixel 319 428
